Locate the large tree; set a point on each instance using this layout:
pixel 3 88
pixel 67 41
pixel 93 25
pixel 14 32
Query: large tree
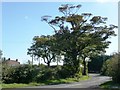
pixel 79 35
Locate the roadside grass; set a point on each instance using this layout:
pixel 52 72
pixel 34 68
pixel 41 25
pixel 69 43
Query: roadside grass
pixel 16 85
pixel 67 80
pixel 48 82
pixel 110 85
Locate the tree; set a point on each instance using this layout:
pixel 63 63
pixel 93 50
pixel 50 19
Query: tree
pixel 79 35
pixel 43 47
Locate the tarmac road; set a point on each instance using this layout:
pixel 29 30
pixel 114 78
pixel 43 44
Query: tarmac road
pixel 93 82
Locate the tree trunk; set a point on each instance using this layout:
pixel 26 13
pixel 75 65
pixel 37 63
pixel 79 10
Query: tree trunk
pixel 75 62
pixel 39 60
pixel 32 59
pixel 48 64
pixel 85 67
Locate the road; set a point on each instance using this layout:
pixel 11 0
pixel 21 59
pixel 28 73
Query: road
pixel 93 82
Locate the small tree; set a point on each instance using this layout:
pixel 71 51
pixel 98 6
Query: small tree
pixel 43 47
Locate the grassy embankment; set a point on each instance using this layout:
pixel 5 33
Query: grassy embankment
pixel 110 85
pixel 49 82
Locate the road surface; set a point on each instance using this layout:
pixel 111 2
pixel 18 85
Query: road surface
pixel 93 82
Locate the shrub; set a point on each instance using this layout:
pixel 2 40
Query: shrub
pixel 48 73
pixel 106 68
pixel 66 72
pixel 29 73
pixel 44 75
pixel 7 71
pixel 19 74
pixel 33 73
pixel 112 67
pixel 97 62
pixel 115 68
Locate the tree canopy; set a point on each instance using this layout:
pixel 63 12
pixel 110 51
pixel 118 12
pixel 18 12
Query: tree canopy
pixel 77 36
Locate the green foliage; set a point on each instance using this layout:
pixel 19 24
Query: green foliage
pixel 66 80
pixel 6 74
pixel 106 68
pixel 31 73
pixel 19 85
pixel 79 35
pixel 15 85
pixel 40 74
pixel 115 68
pixel 19 74
pixel 48 82
pixel 76 35
pixel 44 75
pixel 111 67
pixel 65 72
pixel 96 63
pixel 43 47
pixel 110 85
pixel 49 74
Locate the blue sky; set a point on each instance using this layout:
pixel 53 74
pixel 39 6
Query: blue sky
pixel 21 21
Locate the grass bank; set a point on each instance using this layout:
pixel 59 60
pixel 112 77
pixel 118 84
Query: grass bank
pixel 110 85
pixel 67 80
pixel 48 82
pixel 16 85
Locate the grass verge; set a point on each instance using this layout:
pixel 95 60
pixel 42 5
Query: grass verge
pixel 67 80
pixel 48 82
pixel 16 85
pixel 110 85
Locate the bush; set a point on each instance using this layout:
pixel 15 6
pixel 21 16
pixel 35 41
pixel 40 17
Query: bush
pixel 29 73
pixel 19 74
pixel 106 68
pixel 6 74
pixel 44 75
pixel 112 67
pixel 33 73
pixel 66 72
pixel 115 68
pixel 48 73
pixel 97 62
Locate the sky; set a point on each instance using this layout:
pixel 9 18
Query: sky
pixel 21 21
